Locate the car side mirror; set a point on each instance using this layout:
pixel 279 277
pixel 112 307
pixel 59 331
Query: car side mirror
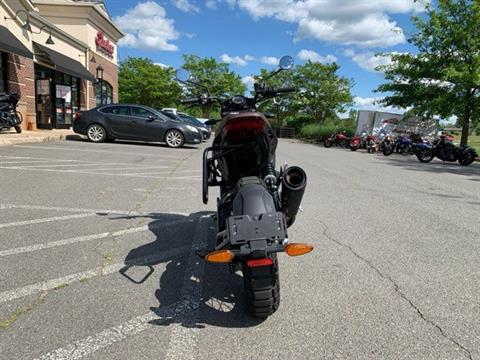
pixel 151 117
pixel 211 122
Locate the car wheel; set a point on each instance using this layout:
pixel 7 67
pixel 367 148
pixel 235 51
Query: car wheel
pixel 174 138
pixel 96 133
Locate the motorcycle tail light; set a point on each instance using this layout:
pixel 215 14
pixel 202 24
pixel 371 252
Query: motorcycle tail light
pixel 297 249
pixel 220 256
pixel 259 262
pixel 245 127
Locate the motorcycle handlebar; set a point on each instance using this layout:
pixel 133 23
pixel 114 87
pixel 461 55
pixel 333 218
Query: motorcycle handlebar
pixel 285 90
pixel 190 100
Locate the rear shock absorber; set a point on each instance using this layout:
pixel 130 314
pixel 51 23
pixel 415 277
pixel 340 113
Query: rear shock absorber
pixel 270 176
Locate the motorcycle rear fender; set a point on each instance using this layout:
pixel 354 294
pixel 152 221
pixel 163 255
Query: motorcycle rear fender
pixel 256 227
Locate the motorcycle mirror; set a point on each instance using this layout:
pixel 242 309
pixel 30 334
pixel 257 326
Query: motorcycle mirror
pixel 183 75
pixel 286 62
pixel 211 122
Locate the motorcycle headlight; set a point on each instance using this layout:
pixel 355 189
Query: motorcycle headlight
pixel 192 128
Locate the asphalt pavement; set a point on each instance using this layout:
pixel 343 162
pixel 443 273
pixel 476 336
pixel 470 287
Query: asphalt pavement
pixel 97 260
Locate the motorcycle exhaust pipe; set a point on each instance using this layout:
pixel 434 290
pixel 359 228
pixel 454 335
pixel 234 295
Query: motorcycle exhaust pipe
pixel 294 183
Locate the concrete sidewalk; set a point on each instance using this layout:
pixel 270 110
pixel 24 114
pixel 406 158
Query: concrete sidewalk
pixel 12 138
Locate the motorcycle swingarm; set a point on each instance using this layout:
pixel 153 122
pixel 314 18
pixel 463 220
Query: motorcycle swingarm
pixel 256 236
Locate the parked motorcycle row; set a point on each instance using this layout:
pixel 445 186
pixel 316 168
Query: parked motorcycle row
pixel 442 147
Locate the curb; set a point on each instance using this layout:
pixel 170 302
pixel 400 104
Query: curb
pixel 32 139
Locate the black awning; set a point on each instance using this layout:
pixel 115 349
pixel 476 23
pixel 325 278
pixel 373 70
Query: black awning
pixel 9 43
pixel 64 63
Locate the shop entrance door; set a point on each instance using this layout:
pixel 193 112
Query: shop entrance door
pixel 63 106
pixel 45 118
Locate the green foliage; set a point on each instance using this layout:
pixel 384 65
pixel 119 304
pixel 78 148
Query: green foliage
pixel 444 77
pixel 319 132
pixel 211 75
pixel 323 92
pixel 140 81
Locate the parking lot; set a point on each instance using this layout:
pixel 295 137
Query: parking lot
pixel 97 258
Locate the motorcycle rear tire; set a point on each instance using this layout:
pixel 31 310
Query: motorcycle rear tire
pixel 467 158
pixel 18 129
pixel 262 288
pixel 388 150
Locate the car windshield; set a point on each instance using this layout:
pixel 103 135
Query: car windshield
pixel 190 119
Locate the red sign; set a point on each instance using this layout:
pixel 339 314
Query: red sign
pixel 103 44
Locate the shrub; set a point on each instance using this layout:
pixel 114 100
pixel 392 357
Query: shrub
pixel 317 132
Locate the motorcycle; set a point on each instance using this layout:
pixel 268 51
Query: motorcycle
pixel 9 116
pixel 364 141
pixel 401 145
pixel 444 149
pixel 338 139
pixel 257 203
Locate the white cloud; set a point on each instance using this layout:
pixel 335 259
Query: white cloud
pixel 211 4
pixel 313 56
pixel 373 103
pixel 249 57
pixel 162 65
pixel 363 23
pixel 185 6
pixel 237 60
pixel 147 27
pixel 248 80
pixel 269 60
pixel 368 60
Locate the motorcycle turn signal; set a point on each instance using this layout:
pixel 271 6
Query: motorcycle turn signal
pixel 297 249
pixel 220 256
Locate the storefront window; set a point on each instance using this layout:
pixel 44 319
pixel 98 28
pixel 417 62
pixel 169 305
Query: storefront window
pixel 57 101
pixel 3 72
pixel 103 93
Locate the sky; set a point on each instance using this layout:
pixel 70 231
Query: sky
pixel 254 34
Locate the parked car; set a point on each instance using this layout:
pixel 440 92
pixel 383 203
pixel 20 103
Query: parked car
pixel 205 129
pixel 134 122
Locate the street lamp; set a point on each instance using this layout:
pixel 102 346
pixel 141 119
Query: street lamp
pixel 100 81
pixel 49 40
pixel 100 72
pixel 25 26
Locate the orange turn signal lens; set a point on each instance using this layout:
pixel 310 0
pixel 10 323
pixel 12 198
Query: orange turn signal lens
pixel 294 249
pixel 220 256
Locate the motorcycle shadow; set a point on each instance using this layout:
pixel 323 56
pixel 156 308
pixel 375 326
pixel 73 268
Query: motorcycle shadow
pixel 191 293
pixel 436 166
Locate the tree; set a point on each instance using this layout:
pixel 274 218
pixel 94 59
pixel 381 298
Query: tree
pixel 214 76
pixel 443 78
pixel 140 81
pixel 323 92
pixel 282 106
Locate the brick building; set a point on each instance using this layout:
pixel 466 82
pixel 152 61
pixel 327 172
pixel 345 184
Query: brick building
pixel 60 56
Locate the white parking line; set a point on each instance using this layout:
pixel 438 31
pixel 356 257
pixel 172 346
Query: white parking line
pixel 84 275
pixel 44 220
pixel 68 209
pixel 183 338
pixel 107 337
pixel 44 159
pixel 78 239
pixel 185 312
pixel 78 172
pixel 97 151
pixel 89 164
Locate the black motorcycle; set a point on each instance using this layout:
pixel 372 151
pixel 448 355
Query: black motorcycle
pixel 9 116
pixel 257 203
pixel 445 150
